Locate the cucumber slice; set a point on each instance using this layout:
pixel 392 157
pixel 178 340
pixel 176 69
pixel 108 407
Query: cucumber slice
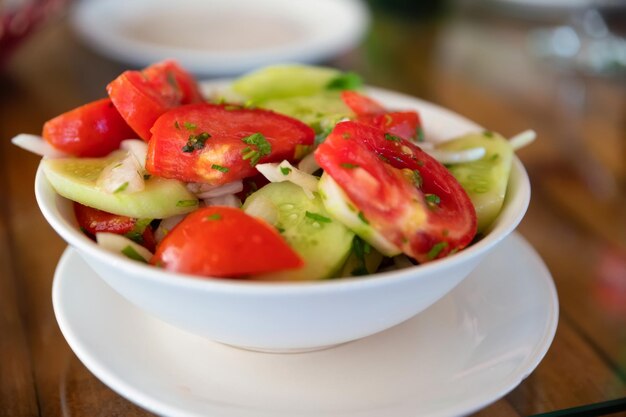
pixel 486 179
pixel 282 81
pixel 339 206
pixel 75 179
pixel 322 242
pixel 320 111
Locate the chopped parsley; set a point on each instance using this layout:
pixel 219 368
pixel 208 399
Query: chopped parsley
pixel 436 250
pixel 317 217
pixel 488 133
pixel 189 125
pixel 362 217
pixel 196 142
pixel 345 81
pixel 121 188
pixel 130 252
pixel 393 138
pixel 186 203
pixel 348 165
pixel 417 178
pixel 360 248
pixel 285 170
pixel 419 134
pixel 259 147
pixel 432 199
pixel 212 217
pixel 219 168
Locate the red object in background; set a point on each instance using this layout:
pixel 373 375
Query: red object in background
pixel 610 282
pixel 17 23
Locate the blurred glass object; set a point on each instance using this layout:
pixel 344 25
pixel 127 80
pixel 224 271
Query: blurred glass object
pixel 19 18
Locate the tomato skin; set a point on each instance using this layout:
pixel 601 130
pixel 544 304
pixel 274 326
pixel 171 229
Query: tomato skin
pixel 142 96
pixel 378 175
pixel 361 104
pixel 224 242
pixel 220 160
pixel 92 130
pixel 92 221
pixel 404 124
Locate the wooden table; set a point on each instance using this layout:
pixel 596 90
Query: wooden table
pixel 481 69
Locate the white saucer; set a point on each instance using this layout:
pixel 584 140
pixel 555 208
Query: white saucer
pixel 216 37
pixel 464 352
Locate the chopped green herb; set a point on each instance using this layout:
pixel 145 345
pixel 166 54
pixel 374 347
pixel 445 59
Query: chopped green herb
pixel 214 216
pixel 285 170
pixel 417 178
pixel 317 217
pixel 495 157
pixel 359 249
pixel 135 236
pixel 488 133
pixel 130 252
pixel 189 125
pixel 419 134
pixel 258 141
pixel 219 168
pixel 345 81
pixel 432 199
pixel 349 165
pixel 362 217
pixel 393 138
pixel 186 203
pixel 383 158
pixel 436 250
pixel 280 229
pixel 301 151
pixel 121 188
pixel 196 142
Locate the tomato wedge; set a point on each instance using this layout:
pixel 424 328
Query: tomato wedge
pixel 92 130
pixel 142 96
pixel 217 144
pixel 404 194
pixel 92 221
pixel 224 242
pixel 406 124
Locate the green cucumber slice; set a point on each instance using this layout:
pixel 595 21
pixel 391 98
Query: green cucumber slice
pixel 486 179
pixel 75 179
pixel 322 242
pixel 339 206
pixel 320 111
pixel 282 81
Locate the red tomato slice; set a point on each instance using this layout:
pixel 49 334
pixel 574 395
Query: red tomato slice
pixel 224 242
pixel 405 194
pixel 92 130
pixel 92 221
pixel 361 104
pixel 207 143
pixel 142 96
pixel 406 124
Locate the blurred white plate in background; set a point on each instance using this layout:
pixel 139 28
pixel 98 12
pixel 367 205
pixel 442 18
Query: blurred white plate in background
pixel 219 37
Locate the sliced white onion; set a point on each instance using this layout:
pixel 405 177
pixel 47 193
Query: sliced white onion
pixel 286 172
pixel 308 164
pixel 207 191
pixel 522 139
pixel 263 208
pixel 229 200
pixel 166 225
pixel 37 145
pixel 456 157
pixel 138 148
pixel 125 176
pixel 122 245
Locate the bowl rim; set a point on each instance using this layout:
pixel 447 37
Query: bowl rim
pixel 514 209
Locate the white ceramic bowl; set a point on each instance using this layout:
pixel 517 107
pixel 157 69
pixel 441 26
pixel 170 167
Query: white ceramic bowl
pixel 299 315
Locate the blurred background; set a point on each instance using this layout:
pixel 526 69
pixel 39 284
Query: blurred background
pixel 555 66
